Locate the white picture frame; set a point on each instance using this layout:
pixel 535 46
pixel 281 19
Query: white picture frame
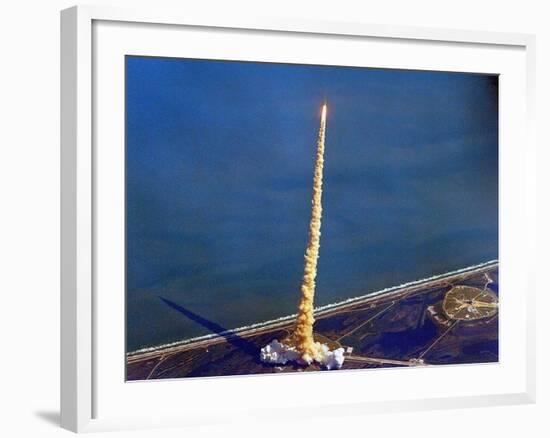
pixel 81 339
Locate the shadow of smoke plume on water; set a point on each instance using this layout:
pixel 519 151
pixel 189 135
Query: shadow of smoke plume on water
pixel 229 335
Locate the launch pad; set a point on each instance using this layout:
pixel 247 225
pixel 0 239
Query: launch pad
pixel 467 303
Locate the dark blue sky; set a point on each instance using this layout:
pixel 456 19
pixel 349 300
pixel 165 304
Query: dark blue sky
pixel 218 178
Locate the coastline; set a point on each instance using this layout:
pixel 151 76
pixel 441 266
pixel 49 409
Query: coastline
pixel 322 311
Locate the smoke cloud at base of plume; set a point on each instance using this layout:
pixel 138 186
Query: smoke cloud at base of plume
pixel 279 353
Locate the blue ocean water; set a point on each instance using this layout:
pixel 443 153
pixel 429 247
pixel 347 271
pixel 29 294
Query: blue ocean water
pixel 219 160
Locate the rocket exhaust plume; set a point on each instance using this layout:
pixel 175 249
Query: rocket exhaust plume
pixel 303 334
pixel 301 346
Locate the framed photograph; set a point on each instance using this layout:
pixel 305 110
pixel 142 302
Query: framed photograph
pixel 281 217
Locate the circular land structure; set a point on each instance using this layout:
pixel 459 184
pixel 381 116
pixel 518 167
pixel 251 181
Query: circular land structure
pixel 468 303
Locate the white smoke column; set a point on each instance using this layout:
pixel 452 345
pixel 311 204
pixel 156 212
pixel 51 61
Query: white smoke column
pixel 301 346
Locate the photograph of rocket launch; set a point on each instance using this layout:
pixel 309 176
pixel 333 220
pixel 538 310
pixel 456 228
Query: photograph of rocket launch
pixel 294 218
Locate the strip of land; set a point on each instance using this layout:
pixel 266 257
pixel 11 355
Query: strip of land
pixel 389 328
